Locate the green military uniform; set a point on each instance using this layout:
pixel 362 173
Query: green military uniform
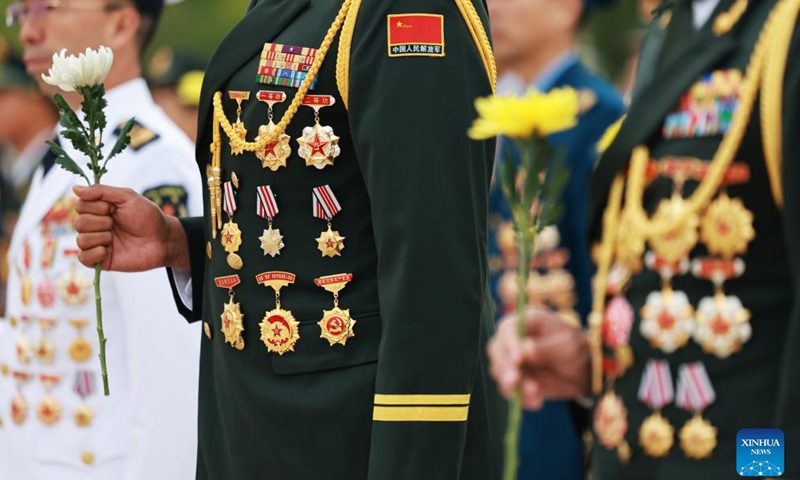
pixel 685 197
pixel 405 394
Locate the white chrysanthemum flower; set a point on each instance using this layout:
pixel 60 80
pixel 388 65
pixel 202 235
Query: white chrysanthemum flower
pixel 88 69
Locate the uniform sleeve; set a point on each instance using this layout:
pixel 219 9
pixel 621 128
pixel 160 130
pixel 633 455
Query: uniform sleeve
pixel 428 186
pixel 162 351
pixel 188 296
pixel 788 415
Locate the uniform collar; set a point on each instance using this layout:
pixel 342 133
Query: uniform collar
pixel 121 97
pixel 512 84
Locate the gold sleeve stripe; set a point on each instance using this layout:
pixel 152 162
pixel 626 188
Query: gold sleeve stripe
pixel 475 27
pixel 422 399
pixel 420 414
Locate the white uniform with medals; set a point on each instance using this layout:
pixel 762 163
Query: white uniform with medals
pixel 146 429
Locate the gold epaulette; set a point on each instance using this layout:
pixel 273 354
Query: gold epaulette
pixel 140 135
pixel 421 408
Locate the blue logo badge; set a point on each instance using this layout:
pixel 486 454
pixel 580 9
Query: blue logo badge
pixel 759 452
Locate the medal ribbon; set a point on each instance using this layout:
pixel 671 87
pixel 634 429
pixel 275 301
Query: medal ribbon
pixel 84 383
pixel 695 391
pixel 324 202
pixel 229 202
pixel 266 207
pixel 656 387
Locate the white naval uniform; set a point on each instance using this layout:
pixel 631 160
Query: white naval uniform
pixel 146 429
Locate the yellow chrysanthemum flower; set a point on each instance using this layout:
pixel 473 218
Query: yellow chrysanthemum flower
pixel 610 134
pixel 536 113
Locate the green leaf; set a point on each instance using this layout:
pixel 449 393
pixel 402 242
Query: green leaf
pixel 64 161
pixel 508 179
pixel 123 140
pixel 68 118
pixel 552 191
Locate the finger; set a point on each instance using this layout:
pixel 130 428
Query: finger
pixel 507 382
pixel 553 348
pixel 541 321
pixel 88 241
pixel 94 208
pixel 93 256
pixel 532 398
pixel 105 193
pixel 87 223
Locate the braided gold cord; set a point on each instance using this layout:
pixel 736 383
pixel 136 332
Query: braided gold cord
pixel 481 39
pixel 260 144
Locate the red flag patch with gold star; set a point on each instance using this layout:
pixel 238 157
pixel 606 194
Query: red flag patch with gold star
pixel 415 35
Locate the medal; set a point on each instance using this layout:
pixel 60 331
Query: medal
pixel 239 129
pixel 84 386
pixel 46 350
pixel 326 206
pixel 727 227
pixel 698 437
pixel 279 329
pixel 267 207
pixel 73 286
pixel 723 324
pixel 231 237
pixel 49 409
pixel 656 435
pixel 336 325
pixel 26 288
pixel 80 349
pixel 46 293
pixel 48 252
pixel 232 316
pixel 24 347
pixel 611 424
pixel 675 244
pixel 274 154
pixel 667 316
pixel 630 244
pixel 19 406
pixel 319 146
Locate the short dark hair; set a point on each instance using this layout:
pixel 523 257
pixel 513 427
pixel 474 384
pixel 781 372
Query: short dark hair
pixel 148 24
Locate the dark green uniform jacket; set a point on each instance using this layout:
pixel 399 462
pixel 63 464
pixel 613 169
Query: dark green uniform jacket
pixel 756 387
pixel 392 403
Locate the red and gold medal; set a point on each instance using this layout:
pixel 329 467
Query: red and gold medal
pixel 19 406
pixel 326 206
pixel 49 409
pixel 84 387
pixel 239 129
pixel 611 424
pixel 656 435
pixel 231 236
pixel 274 154
pixel 24 347
pixel 267 207
pixel 279 329
pixel 73 286
pixel 80 349
pixel 676 244
pixel 232 316
pixel 48 252
pixel 698 438
pixel 667 316
pixel 26 287
pixel 319 146
pixel 336 326
pixel 46 293
pixel 45 349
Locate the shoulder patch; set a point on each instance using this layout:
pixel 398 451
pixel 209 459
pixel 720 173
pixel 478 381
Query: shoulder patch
pixel 140 135
pixel 415 35
pixel 170 198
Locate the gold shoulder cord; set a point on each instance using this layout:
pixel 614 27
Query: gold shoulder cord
pixel 633 213
pixel 475 26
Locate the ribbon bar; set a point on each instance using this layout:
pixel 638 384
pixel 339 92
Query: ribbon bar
pixel 656 387
pixel 331 279
pixel 271 96
pixel 238 95
pixel 229 281
pixel 318 100
pixel 84 383
pixel 265 277
pixel 229 201
pixel 325 204
pixel 695 391
pixel 266 207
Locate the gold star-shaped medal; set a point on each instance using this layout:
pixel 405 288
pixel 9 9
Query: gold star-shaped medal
pixel 319 146
pixel 330 243
pixel 274 154
pixel 271 242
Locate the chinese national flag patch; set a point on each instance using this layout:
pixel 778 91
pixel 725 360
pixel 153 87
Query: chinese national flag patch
pixel 416 35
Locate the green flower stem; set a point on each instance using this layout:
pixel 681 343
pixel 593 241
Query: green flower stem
pixel 98 305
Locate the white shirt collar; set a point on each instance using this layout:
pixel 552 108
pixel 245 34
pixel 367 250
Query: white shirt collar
pixel 702 10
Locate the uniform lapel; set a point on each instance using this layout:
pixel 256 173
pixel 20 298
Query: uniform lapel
pixel 656 99
pixel 264 20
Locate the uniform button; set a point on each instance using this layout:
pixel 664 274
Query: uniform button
pixel 208 250
pixel 207 329
pixel 4 369
pixel 87 458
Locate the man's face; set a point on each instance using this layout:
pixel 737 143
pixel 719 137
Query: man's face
pixel 72 24
pixel 518 26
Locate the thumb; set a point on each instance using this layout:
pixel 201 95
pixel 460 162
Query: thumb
pixel 104 193
pixel 548 349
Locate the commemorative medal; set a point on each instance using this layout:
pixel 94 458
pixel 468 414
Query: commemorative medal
pixel 267 207
pixel 611 421
pixel 24 347
pixel 336 326
pixel 49 409
pixel 45 349
pixel 48 252
pixel 656 434
pixel 46 293
pixel 274 154
pixel 231 236
pixel 80 349
pixel 232 316
pixel 84 387
pixel 727 227
pixel 325 206
pixel 239 129
pixel 279 329
pixel 667 316
pixel 675 244
pixel 319 146
pixel 73 287
pixel 698 437
pixel 19 406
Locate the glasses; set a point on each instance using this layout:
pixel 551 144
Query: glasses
pixel 17 12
